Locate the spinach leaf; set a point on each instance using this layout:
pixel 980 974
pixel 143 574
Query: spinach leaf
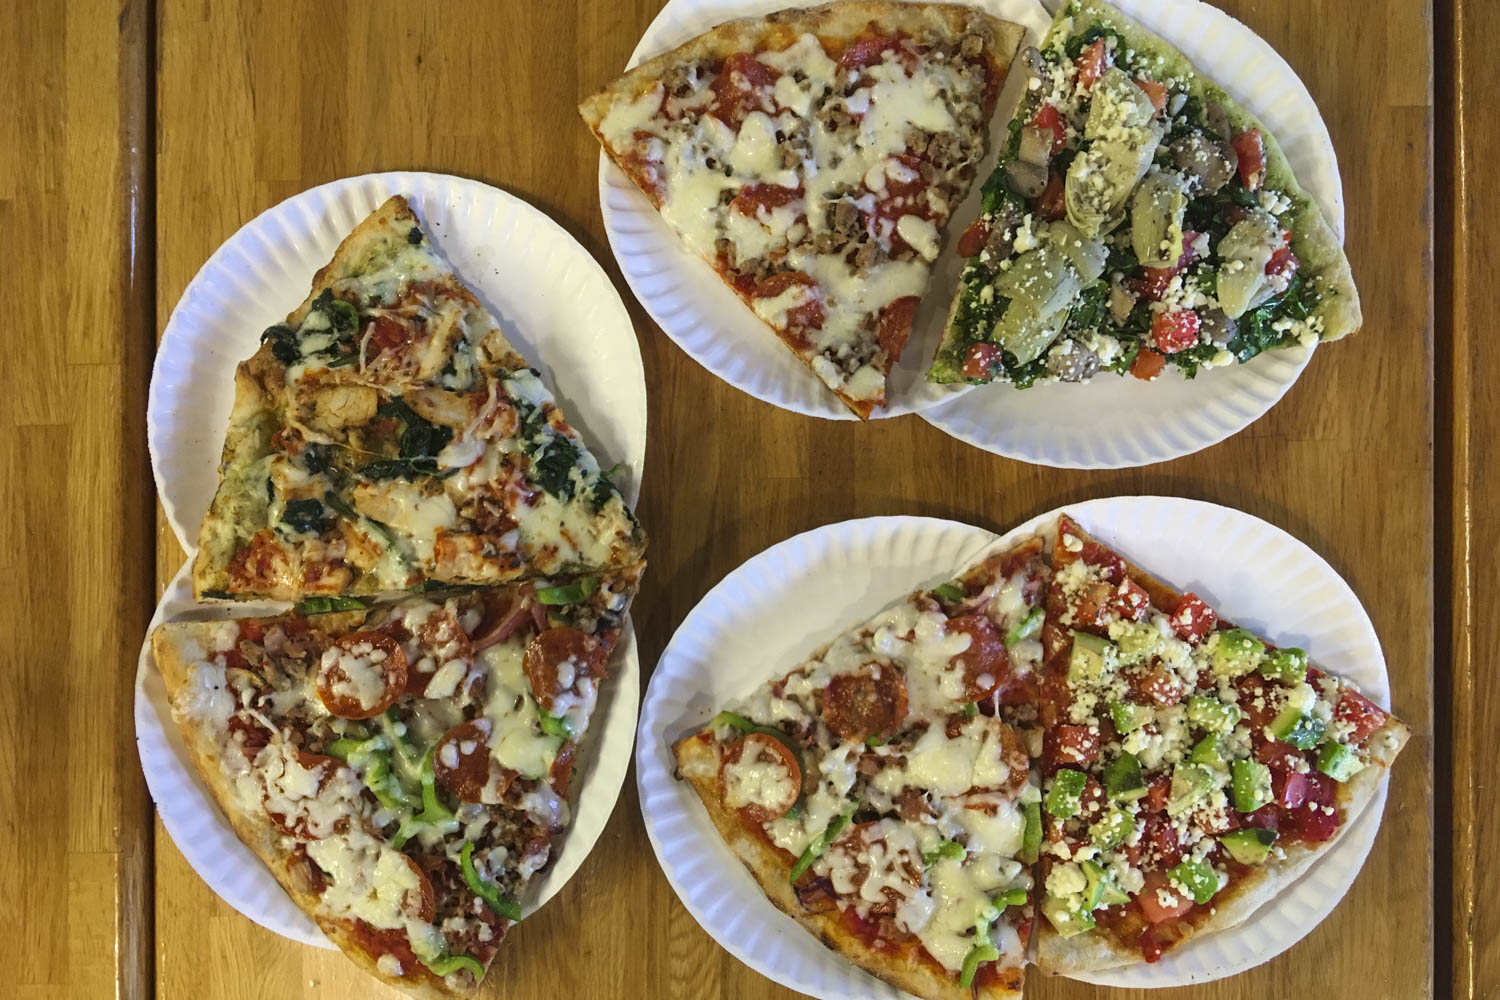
pixel 1075 45
pixel 418 446
pixel 1190 360
pixel 283 343
pixel 317 457
pixel 601 492
pixel 1091 310
pixel 343 317
pixel 552 467
pixel 306 515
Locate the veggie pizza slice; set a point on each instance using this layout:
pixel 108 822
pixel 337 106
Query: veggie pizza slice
pixel 812 158
pixel 1191 769
pixel 403 771
pixel 387 437
pixel 1138 217
pixel 881 792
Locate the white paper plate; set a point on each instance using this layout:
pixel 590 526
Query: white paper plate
pixel 237 876
pixel 1116 422
pixel 551 297
pixel 766 616
pixel 689 301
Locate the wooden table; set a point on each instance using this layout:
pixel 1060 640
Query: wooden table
pixel 139 136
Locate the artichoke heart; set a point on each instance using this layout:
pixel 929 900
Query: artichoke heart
pixel 1042 285
pixel 1123 141
pixel 1156 218
pixel 1244 252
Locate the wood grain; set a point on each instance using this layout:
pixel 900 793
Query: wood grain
pixel 259 100
pixel 75 498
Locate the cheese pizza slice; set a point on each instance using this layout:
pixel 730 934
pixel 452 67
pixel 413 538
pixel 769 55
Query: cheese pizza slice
pixel 1138 218
pixel 402 772
pixel 387 437
pixel 881 792
pixel 812 157
pixel 1191 768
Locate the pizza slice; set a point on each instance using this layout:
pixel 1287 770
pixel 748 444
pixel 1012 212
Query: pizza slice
pixel 1191 769
pixel 1138 217
pixel 812 157
pixel 881 792
pixel 402 771
pixel 387 436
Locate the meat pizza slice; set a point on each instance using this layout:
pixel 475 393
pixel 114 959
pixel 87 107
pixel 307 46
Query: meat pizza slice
pixel 1191 769
pixel 387 437
pixel 881 792
pixel 812 157
pixel 402 772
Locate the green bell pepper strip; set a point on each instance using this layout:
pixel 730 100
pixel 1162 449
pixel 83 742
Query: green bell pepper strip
pixel 433 810
pixel 949 592
pixel 947 850
pixel 821 842
pixel 1031 840
pixel 444 965
pixel 568 593
pixel 971 709
pixel 1026 627
pixel 343 747
pixel 1011 897
pixel 977 955
pixel 490 893
pixel 322 605
pixel 554 725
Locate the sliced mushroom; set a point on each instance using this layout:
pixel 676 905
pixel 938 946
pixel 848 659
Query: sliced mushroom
pixel 1218 120
pixel 1207 161
pixel 1036 66
pixel 1002 235
pixel 1071 361
pixel 1036 145
pixel 1216 326
pixel 1028 179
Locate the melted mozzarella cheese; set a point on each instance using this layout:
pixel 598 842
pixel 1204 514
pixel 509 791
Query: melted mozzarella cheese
pixel 759 778
pixel 516 738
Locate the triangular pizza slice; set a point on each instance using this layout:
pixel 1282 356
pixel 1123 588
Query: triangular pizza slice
pixel 812 157
pixel 387 436
pixel 1191 769
pixel 881 792
pixel 403 771
pixel 1139 217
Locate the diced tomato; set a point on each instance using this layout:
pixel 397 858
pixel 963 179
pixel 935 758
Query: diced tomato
pixel 1092 798
pixel 1091 606
pixel 1070 746
pixel 1155 92
pixel 1272 753
pixel 1317 817
pixel 1049 118
pixel 1159 686
pixel 980 360
pixel 1154 281
pixel 1193 619
pixel 1250 148
pixel 1267 817
pixel 1130 601
pixel 743 85
pixel 1092 62
pixel 1156 889
pixel 1361 714
pixel 1290 787
pixel 753 197
pixel 1174 331
pixel 973 239
pixel 1157 793
pixel 1147 364
pixel 1052 204
pixel 1283 263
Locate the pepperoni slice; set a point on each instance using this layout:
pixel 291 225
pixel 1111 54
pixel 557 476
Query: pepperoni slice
pixel 462 763
pixel 441 640
pixel 361 675
pixel 753 197
pixel 311 762
pixel 422 901
pixel 870 701
pixel 985 662
pixel 897 869
pixel 808 315
pixel 1002 741
pixel 743 85
pixel 757 789
pixel 561 771
pixel 557 657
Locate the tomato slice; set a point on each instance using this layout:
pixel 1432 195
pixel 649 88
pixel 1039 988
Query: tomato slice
pixel 1147 364
pixel 1092 62
pixel 759 800
pixel 1174 331
pixel 1250 149
pixel 1159 901
pixel 1049 118
pixel 973 239
pixel 1052 203
pixel 361 675
pixel 1155 92
pixel 980 360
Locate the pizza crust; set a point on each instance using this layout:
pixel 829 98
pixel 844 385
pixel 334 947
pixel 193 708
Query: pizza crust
pixel 176 646
pixel 1093 951
pixel 698 765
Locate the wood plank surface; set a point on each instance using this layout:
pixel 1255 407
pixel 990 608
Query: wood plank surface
pixel 1468 690
pixel 259 99
pixel 75 498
